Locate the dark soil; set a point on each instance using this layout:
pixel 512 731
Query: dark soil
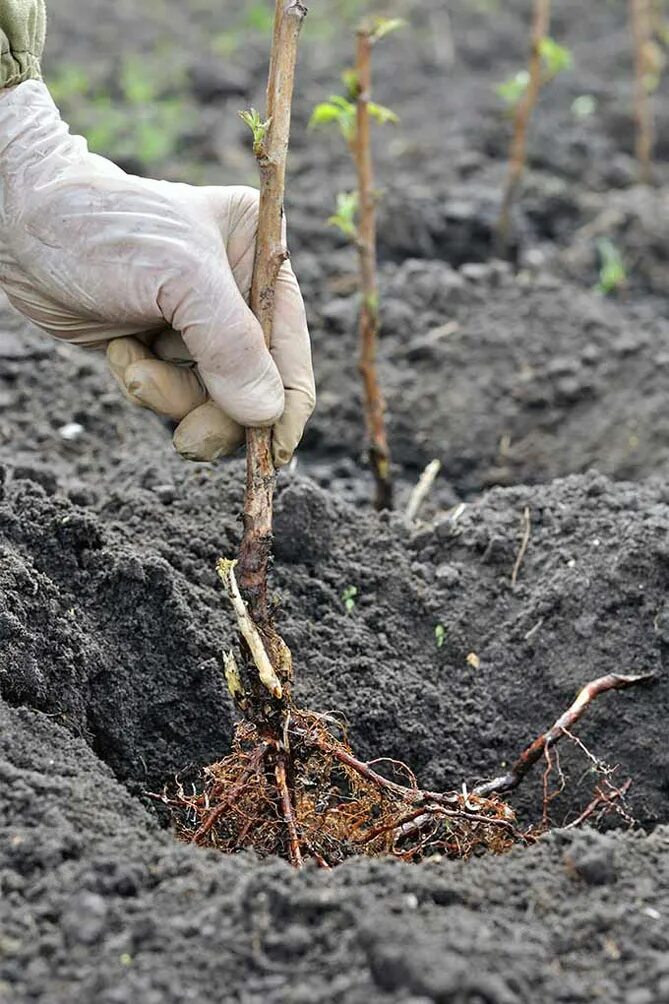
pixel 520 379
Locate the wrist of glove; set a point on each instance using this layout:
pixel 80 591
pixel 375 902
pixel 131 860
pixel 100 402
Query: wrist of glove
pixel 22 32
pixel 156 273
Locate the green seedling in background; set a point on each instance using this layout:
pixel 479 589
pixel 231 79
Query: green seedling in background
pixel 340 111
pixel 439 635
pixel 521 94
pixel 325 21
pixel 139 123
pixel 612 274
pixel 259 17
pixel 348 596
pixel 555 59
pixel 353 114
pixel 71 82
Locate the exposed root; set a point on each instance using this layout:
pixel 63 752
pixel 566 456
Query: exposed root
pixel 320 802
pixel 543 743
pixel 608 800
pixel 288 812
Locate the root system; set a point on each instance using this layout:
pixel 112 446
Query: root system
pixel 308 796
pixel 315 799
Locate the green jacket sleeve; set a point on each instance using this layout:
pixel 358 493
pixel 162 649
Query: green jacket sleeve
pixel 22 32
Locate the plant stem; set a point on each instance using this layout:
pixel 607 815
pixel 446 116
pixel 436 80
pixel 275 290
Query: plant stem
pixel 642 33
pixel 255 550
pixel 523 114
pixel 369 310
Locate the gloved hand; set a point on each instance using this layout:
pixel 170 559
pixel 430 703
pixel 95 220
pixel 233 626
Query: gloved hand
pixel 157 274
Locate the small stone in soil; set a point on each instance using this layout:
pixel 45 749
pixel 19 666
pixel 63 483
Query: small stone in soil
pixel 71 431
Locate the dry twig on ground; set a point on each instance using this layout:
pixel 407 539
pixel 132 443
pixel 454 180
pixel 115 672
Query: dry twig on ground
pixel 420 491
pixel 524 542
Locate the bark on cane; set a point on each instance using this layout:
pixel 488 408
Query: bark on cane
pixel 540 26
pixel 369 310
pixel 642 33
pixel 263 708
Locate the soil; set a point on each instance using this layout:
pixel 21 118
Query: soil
pixel 522 380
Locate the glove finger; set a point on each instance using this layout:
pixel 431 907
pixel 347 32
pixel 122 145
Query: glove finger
pixel 291 351
pixel 170 346
pixel 207 433
pixel 122 353
pixel 169 390
pixel 289 429
pixel 235 210
pixel 203 302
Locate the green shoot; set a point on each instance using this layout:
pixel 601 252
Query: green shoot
pixel 383 115
pixel 338 110
pixel 555 59
pixel 382 26
pixel 348 596
pixel 439 635
pixel 257 127
pixel 371 301
pixel 345 216
pixel 612 274
pixel 342 111
pixel 512 90
pixel 350 80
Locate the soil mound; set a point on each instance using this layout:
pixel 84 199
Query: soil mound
pixel 112 625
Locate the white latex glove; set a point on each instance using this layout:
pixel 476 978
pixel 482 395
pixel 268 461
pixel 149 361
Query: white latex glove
pixel 158 274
